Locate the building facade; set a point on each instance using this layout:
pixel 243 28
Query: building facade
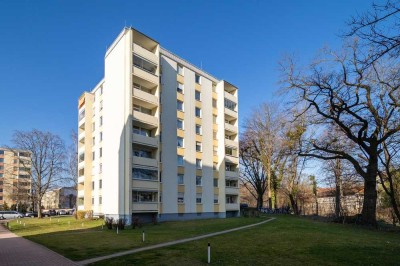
pixel 158 137
pixel 59 198
pixel 15 180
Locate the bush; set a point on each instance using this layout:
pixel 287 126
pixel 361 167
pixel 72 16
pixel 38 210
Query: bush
pixel 136 222
pixel 89 215
pixel 120 223
pixel 109 222
pixel 80 215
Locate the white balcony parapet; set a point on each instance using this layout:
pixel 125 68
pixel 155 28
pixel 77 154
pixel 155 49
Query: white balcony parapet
pixel 144 140
pixel 140 184
pixel 81 179
pixel 231 143
pixel 232 206
pixel 81 193
pixel 231 113
pixel 145 118
pixel 145 161
pixel 231 128
pixel 139 50
pixel 232 190
pixel 231 175
pixel 230 97
pixel 231 159
pixel 145 75
pixel 145 97
pixel 144 206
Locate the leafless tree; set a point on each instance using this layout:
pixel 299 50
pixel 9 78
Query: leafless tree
pixel 72 161
pixel 363 102
pixel 47 160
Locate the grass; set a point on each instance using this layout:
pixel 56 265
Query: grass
pixel 68 237
pixel 288 240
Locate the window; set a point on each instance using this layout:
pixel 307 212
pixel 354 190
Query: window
pixel 230 105
pixel 80 117
pixel 101 90
pixel 144 196
pixel 179 89
pixel 144 64
pixel 180 70
pixel 100 200
pixel 101 152
pixel 93 126
pixel 142 153
pixel 198 146
pixel 1 190
pixel 2 160
pixel 179 105
pixel 101 120
pixel 93 141
pixel 101 136
pixel 144 174
pixel 93 156
pixel 142 109
pixel 180 160
pixel 81 157
pixel 180 179
pixel 214 103
pixel 230 167
pixel 181 197
pixel 179 124
pixel 1 175
pixel 215 198
pixel 101 105
pixel 198 163
pixel 100 168
pixel 198 180
pixel 141 131
pixel 92 185
pixel 215 166
pixel 197 95
pixel 215 150
pixel 81 172
pixel 198 198
pixel 180 142
pixel 197 79
pixel 198 129
pixel 198 112
pixel 214 134
pixel 215 182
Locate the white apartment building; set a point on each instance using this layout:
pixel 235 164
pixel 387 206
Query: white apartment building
pixel 158 137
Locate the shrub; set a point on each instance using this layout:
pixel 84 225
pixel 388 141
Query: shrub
pixel 89 215
pixel 120 223
pixel 109 222
pixel 80 215
pixel 136 222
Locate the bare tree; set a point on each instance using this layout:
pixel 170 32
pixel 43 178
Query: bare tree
pixel 363 102
pixel 47 160
pixel 72 161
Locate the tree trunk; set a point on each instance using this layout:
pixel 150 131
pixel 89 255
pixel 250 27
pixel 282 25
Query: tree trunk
pixel 39 211
pixel 294 204
pixel 338 198
pixel 259 202
pixel 368 213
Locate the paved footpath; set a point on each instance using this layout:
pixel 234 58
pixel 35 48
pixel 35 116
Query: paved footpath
pixel 167 244
pixel 15 250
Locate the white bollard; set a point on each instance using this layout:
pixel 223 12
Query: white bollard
pixel 143 236
pixel 209 253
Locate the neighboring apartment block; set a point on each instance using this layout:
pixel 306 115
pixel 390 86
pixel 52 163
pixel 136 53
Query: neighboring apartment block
pixel 60 198
pixel 158 137
pixel 15 181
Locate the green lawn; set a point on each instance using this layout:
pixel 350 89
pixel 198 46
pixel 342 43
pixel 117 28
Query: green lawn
pixel 288 240
pixel 69 238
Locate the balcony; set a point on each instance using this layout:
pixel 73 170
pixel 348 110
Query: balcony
pixel 139 50
pixel 232 206
pixel 231 159
pixel 232 190
pixel 145 75
pixel 230 97
pixel 81 207
pixel 146 99
pixel 231 175
pixel 231 128
pixel 81 193
pixel 145 118
pixel 145 207
pixel 230 113
pixel 81 179
pixel 144 140
pixel 145 184
pixel 231 143
pixel 149 162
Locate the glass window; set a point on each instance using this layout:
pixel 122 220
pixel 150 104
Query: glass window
pixel 180 70
pixel 100 168
pixel 198 146
pixel 198 163
pixel 230 105
pixel 198 112
pixel 197 95
pixel 1 160
pixel 180 179
pixel 92 185
pixel 92 200
pixel 198 197
pixel 144 174
pixel 181 197
pixel 142 153
pixel 144 196
pixel 198 180
pixel 215 198
pixel 101 152
pixel 180 143
pixel 101 136
pixel 101 105
pixel 100 200
pixel 198 129
pixel 179 105
pixel 197 79
pixel 144 64
pixel 214 119
pixel 179 89
pixel 215 180
pixel 214 103
pixel 101 120
pixel 93 156
pixel 180 160
pixel 179 124
pixel 93 126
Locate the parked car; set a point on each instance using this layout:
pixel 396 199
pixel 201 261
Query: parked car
pixel 62 212
pixel 10 215
pixel 31 214
pixel 49 213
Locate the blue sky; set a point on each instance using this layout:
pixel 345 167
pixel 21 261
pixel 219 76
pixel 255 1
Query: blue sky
pixel 52 51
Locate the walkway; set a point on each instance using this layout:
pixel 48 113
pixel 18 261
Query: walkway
pixel 15 250
pixel 167 244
